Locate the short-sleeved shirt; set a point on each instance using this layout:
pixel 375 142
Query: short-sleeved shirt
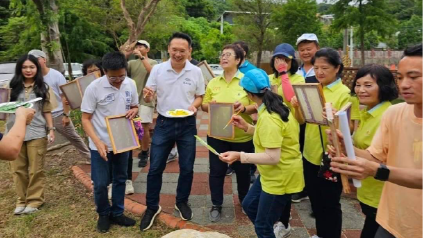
pixel 271 132
pixel 355 108
pixel 398 143
pixel 175 90
pixel 246 66
pixel 310 76
pixel 371 189
pixel 339 95
pixel 37 128
pixel 101 99
pixel 294 79
pixel 54 79
pixel 138 72
pixel 220 90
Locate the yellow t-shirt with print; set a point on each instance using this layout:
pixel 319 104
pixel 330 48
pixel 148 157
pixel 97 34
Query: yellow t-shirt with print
pixel 223 92
pixel 339 95
pixel 271 132
pixel 371 189
pixel 355 108
pixel 294 79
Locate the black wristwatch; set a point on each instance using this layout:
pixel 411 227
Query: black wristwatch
pixel 142 58
pixel 382 173
pixel 66 115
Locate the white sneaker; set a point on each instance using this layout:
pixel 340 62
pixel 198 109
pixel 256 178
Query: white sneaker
pixel 109 191
pixel 19 210
pixel 29 210
pixel 129 189
pixel 314 236
pixel 280 230
pixel 172 155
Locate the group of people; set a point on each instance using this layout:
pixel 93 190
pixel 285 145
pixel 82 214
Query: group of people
pixel 270 133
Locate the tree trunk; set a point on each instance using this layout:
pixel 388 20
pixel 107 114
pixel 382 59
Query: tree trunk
pixel 50 37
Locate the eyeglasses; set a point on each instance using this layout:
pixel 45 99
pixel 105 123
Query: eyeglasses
pixel 114 79
pixel 226 55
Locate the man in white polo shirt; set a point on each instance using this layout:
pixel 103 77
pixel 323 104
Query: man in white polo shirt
pixel 179 85
pixel 113 94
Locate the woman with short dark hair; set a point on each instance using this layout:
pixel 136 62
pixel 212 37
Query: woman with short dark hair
pixel 226 89
pixel 374 85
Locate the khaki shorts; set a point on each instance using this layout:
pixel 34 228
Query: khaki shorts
pixel 146 114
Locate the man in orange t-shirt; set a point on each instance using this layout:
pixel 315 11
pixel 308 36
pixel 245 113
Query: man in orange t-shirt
pixel 395 155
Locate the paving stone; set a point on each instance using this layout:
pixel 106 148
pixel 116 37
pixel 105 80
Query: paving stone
pixel 201 168
pixel 198 201
pixel 201 161
pixel 247 231
pixel 204 127
pixel 298 232
pixel 304 209
pixel 351 218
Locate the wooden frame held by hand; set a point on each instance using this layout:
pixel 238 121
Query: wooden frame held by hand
pixel 311 102
pixel 219 115
pixel 122 133
pixel 207 71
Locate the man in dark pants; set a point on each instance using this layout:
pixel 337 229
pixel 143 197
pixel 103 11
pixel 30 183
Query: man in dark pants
pixel 179 85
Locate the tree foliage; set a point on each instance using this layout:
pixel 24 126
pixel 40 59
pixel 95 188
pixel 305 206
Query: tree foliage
pixel 366 15
pixel 295 18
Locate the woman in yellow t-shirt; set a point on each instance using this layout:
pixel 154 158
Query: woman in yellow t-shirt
pixel 324 195
pixel 284 66
pixel 277 156
pixel 226 89
pixel 375 87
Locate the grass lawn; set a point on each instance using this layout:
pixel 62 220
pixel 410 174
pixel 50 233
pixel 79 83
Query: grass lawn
pixel 69 210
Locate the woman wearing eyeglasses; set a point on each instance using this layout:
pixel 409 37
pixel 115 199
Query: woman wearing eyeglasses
pixel 226 89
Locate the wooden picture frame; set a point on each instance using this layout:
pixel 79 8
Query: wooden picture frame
pixel 206 70
pixel 312 102
pixel 219 116
pixel 346 108
pixel 84 81
pixel 122 133
pixel 4 97
pixel 72 93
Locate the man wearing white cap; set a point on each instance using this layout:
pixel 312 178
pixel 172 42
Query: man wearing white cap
pixel 60 114
pixel 139 70
pixel 307 45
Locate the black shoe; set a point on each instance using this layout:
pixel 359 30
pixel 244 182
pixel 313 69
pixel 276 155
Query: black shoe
pixel 103 224
pixel 148 218
pixel 230 171
pixel 143 159
pixel 252 178
pixel 215 213
pixel 122 220
pixel 184 210
pixel 298 197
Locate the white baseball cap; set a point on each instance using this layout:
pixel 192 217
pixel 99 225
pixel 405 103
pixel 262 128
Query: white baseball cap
pixel 37 53
pixel 143 42
pixel 308 37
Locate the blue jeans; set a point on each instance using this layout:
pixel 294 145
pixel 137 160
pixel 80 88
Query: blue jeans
pixel 101 177
pixel 264 209
pixel 167 132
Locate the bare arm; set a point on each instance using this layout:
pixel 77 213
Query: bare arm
pixel 147 65
pixel 11 144
pixel 49 120
pixel 362 168
pixel 89 130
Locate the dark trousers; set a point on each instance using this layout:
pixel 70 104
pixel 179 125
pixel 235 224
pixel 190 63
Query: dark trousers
pixel 167 132
pixel 370 225
pixel 218 169
pixel 129 172
pixel 325 199
pixel 264 209
pixel 101 178
pixel 382 233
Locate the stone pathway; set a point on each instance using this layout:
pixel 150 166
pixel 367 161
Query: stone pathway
pixel 234 223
